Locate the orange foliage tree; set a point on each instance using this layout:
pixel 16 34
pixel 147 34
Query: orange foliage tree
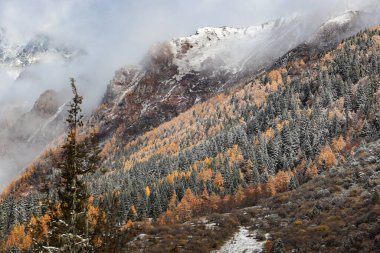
pixel 18 238
pixel 271 186
pixel 282 180
pixel 338 144
pixel 327 158
pixel 312 171
pixel 188 205
pixel 170 179
pixel 219 180
pixel 169 217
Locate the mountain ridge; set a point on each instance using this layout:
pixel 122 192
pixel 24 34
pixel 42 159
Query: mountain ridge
pixel 157 78
pixel 16 58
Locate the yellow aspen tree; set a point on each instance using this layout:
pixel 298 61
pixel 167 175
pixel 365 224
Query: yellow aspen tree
pixel 173 202
pixel 205 194
pixel 133 210
pixel 170 179
pixel 240 196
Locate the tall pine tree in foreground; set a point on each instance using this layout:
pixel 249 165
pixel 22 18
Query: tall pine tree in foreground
pixel 69 230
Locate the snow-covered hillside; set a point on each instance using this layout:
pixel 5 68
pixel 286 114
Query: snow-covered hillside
pixel 232 51
pixel 212 44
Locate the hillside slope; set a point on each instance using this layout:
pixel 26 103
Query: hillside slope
pixel 344 200
pixel 188 70
pixel 182 72
pixel 272 133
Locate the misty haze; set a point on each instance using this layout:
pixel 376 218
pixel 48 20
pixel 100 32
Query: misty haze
pixel 208 126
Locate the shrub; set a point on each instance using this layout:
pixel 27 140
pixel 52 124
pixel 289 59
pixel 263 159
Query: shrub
pixel 323 228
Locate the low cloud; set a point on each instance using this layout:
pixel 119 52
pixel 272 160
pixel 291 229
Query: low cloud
pixel 115 33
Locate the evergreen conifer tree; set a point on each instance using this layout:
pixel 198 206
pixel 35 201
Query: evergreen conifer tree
pixel 69 229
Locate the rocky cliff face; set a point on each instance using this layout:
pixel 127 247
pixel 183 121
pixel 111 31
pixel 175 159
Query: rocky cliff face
pixel 142 98
pixel 44 121
pixel 24 139
pixel 47 104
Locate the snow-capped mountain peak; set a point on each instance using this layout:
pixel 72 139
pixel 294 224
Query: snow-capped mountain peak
pixel 40 49
pixel 227 50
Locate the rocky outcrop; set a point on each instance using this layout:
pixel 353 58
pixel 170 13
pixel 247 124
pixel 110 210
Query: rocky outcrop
pixel 142 98
pixel 47 104
pixel 43 122
pixel 28 135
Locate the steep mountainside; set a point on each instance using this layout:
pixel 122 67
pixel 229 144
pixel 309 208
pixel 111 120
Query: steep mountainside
pixel 177 74
pixel 301 118
pixel 173 76
pixel 179 143
pixel 184 71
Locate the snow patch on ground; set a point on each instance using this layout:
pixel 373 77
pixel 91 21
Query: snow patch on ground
pixel 210 225
pixel 243 241
pixel 145 108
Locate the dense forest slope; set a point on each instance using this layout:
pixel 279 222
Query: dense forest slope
pixel 273 133
pixel 312 218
